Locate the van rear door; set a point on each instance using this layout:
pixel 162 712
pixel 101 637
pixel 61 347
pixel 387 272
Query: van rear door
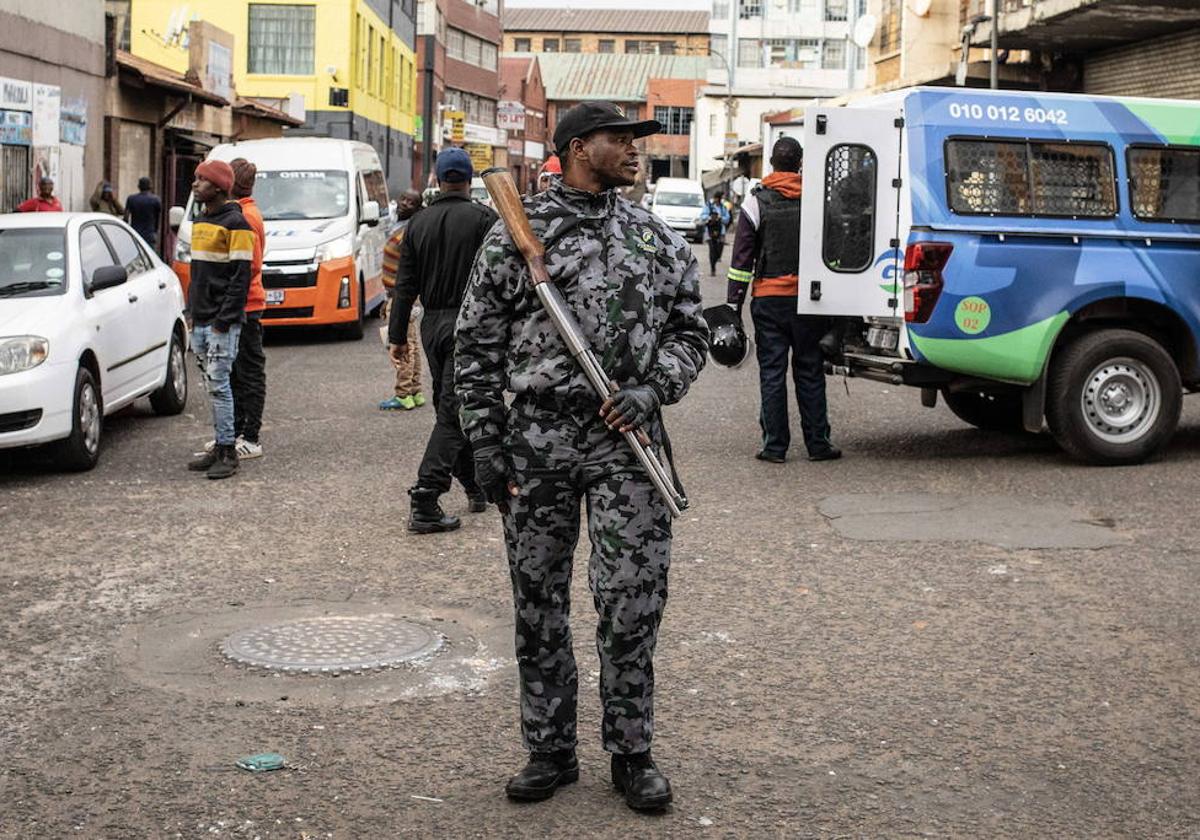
pixel 850 255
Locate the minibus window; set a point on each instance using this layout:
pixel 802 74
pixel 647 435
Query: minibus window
pixel 848 241
pixel 1164 183
pixel 1030 178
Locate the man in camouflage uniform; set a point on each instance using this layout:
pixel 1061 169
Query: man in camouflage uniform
pixel 632 284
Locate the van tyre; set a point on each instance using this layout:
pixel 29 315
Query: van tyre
pixel 354 330
pixel 983 410
pixel 1113 397
pixel 81 449
pixel 171 398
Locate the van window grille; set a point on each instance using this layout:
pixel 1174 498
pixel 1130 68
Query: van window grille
pixel 1028 178
pixel 848 241
pixel 1164 183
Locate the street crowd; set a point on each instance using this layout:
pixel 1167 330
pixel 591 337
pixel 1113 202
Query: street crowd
pixel 517 423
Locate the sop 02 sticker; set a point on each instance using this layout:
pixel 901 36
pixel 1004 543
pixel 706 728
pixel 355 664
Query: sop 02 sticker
pixel 972 315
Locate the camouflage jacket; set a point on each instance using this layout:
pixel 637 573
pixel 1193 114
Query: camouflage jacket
pixel 631 282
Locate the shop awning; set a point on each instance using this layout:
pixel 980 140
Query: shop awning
pixel 143 73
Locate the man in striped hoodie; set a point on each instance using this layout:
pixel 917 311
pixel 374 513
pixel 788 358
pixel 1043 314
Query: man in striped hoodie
pixel 222 253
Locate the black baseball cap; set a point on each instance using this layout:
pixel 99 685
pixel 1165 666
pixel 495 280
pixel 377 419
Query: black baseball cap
pixel 587 117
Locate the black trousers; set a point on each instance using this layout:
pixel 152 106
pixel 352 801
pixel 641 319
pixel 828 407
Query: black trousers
pixel 448 454
pixel 716 245
pixel 778 333
pixel 249 380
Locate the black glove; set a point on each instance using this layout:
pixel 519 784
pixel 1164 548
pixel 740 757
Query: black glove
pixel 493 473
pixel 630 407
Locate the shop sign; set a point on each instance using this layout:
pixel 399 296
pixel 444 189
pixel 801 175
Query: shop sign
pixel 510 115
pixel 481 155
pixel 16 95
pixel 16 128
pixel 535 151
pixel 515 147
pixel 73 122
pixel 487 134
pixel 47 108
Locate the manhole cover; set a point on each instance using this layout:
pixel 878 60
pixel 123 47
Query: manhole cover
pixel 332 644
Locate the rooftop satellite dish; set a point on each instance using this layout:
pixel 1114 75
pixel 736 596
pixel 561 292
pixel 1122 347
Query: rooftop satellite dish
pixel 920 8
pixel 864 30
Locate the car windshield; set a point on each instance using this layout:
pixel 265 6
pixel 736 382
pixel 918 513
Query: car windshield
pixel 479 193
pixel 298 194
pixel 671 199
pixel 32 262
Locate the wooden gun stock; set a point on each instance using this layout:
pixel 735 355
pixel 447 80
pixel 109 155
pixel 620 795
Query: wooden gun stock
pixel 507 201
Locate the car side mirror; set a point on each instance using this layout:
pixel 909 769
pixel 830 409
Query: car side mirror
pixel 370 213
pixel 107 277
pixel 175 217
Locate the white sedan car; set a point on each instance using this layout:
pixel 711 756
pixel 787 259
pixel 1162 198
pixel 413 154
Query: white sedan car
pixel 90 320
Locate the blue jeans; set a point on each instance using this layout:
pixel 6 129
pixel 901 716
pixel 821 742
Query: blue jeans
pixel 779 333
pixel 215 352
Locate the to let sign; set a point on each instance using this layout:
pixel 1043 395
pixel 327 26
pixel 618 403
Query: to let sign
pixel 510 115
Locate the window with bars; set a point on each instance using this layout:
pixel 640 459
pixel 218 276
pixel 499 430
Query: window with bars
pixel 521 44
pixel 836 10
pixel 281 39
pixel 796 53
pixel 573 45
pixel 1164 183
pixel 550 45
pixel 848 239
pixel 675 120
pixel 833 54
pixel 890 19
pixel 606 45
pixel 1030 178
pixel 750 52
pixel 748 9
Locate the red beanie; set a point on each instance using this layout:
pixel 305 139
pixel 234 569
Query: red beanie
pixel 551 167
pixel 218 172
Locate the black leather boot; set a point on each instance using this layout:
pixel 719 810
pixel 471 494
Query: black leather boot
pixel 645 788
pixel 543 775
pixel 226 464
pixel 427 516
pixel 476 501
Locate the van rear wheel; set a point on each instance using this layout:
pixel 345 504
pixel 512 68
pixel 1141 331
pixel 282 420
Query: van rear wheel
pixel 1113 397
pixel 984 410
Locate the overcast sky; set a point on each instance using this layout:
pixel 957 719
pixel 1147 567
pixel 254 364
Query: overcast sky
pixel 697 5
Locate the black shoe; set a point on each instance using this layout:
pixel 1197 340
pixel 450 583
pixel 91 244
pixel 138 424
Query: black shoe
pixel 771 457
pixel 831 453
pixel 543 775
pixel 226 463
pixel 427 516
pixel 645 788
pixel 203 461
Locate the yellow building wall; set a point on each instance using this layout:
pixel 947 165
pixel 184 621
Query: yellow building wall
pixel 381 90
pixel 684 44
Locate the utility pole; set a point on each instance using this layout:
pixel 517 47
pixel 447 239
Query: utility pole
pixel 995 44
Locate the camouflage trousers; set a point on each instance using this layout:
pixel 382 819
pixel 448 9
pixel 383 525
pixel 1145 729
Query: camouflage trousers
pixel 560 459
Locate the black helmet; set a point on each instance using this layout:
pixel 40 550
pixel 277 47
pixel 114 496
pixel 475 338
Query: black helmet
pixel 728 344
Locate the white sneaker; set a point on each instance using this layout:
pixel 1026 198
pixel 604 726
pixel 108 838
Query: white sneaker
pixel 247 450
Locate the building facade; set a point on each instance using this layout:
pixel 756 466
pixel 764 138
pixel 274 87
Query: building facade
pixel 347 68
pixel 521 115
pixel 458 54
pixel 770 55
pixel 52 80
pixel 626 31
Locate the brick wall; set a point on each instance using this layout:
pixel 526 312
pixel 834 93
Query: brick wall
pixel 1167 67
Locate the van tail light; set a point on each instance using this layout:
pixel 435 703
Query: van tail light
pixel 923 264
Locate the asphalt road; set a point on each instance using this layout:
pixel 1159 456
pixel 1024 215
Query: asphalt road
pixel 859 648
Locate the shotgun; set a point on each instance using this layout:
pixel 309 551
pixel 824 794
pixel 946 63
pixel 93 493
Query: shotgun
pixel 507 201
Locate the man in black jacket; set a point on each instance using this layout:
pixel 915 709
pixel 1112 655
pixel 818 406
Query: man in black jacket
pixel 435 264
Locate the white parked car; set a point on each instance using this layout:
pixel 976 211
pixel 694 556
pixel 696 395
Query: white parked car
pixel 679 202
pixel 90 320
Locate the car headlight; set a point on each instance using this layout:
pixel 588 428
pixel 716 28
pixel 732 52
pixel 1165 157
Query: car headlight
pixel 183 251
pixel 335 249
pixel 22 352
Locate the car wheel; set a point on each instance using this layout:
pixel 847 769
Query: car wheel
pixel 1113 397
pixel 354 330
pixel 81 450
pixel 171 398
pixel 984 410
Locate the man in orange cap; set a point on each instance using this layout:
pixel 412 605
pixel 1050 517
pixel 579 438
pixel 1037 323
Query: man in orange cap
pixel 550 170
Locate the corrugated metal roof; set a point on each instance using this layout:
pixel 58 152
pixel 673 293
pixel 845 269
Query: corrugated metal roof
pixel 655 21
pixel 612 76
